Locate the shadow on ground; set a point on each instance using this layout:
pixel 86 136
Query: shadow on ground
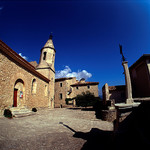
pixel 96 139
pixel 133 133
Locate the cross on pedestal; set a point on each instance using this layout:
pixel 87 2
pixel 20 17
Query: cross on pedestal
pixel 129 98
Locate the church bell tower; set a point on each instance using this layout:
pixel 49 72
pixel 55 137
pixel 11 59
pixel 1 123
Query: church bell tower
pixel 46 67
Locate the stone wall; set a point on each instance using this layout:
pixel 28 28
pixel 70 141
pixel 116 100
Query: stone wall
pixel 63 90
pixel 116 93
pixel 77 90
pixel 10 72
pixel 60 101
pixel 119 96
pixel 62 86
pixel 140 80
pixel 108 115
pixel 52 89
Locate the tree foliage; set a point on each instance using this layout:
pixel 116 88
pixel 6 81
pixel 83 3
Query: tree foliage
pixel 86 99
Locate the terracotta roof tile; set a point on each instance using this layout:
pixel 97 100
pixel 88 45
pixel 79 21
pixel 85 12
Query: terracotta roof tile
pixel 62 79
pixel 85 83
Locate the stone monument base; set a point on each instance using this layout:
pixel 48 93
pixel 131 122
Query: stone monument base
pixel 123 110
pixel 129 101
pixel 108 115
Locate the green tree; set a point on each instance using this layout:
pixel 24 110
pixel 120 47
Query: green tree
pixel 86 99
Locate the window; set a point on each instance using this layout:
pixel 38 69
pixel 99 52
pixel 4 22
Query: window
pixel 34 85
pixel 45 90
pixel 88 87
pixel 60 96
pixel 60 84
pixel 44 57
pixel 77 87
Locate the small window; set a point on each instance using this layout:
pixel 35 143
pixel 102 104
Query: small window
pixel 60 96
pixel 88 87
pixel 46 90
pixel 34 85
pixel 44 57
pixel 60 84
pixel 77 87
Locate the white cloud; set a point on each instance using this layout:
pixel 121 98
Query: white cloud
pixel 68 73
pixel 23 56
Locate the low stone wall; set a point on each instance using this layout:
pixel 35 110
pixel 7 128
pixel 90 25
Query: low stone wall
pixel 108 115
pixel 122 112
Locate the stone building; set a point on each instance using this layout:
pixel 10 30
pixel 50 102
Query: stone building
pixel 140 81
pixel 24 86
pixel 115 93
pixel 140 77
pixel 63 90
pixel 70 88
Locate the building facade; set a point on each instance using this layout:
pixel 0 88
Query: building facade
pixel 115 93
pixel 22 85
pixel 140 81
pixel 70 88
pixel 140 77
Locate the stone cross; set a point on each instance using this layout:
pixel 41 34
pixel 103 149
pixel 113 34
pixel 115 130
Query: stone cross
pixel 129 98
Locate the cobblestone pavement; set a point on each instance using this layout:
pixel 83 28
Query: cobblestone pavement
pixel 56 129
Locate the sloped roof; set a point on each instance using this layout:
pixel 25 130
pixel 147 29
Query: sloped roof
pixel 117 88
pixel 22 62
pixel 142 58
pixel 62 79
pixel 84 83
pixel 49 43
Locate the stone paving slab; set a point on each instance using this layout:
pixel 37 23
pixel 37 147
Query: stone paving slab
pixel 50 130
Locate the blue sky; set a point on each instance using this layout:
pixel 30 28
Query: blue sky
pixel 87 33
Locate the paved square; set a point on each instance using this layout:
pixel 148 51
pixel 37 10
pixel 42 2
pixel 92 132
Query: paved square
pixel 55 129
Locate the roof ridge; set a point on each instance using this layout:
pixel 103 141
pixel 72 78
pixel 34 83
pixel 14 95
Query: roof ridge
pixel 84 83
pixel 16 57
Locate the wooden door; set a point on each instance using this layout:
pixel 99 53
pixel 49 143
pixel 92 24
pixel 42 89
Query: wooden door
pixel 15 98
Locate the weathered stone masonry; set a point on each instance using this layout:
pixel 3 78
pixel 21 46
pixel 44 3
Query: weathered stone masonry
pixel 21 86
pixel 70 88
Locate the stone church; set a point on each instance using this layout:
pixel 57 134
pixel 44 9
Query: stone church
pixel 25 85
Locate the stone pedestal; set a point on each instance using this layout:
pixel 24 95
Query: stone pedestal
pixel 108 115
pixel 129 98
pixel 123 110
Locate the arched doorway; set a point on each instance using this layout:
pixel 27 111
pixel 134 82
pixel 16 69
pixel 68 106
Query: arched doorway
pixel 19 93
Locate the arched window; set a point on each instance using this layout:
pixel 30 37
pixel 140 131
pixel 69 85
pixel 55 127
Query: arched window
pixel 44 57
pixel 34 85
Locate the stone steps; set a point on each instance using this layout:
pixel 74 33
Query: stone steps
pixel 22 112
